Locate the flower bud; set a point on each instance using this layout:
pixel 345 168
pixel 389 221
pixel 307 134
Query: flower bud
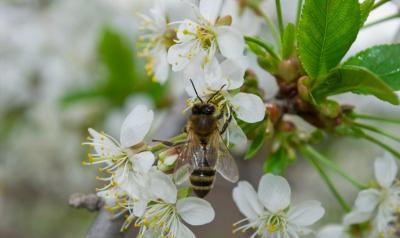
pixel 329 108
pixel 167 159
pixel 274 113
pixel 288 69
pixel 303 88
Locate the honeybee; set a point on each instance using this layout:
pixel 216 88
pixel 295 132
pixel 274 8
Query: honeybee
pixel 204 152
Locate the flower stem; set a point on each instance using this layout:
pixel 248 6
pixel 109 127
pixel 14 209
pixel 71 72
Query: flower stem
pixel 327 180
pixel 262 44
pixel 375 118
pixel 271 26
pixel 377 130
pixel 299 5
pixel 280 18
pixel 380 3
pixel 381 144
pixel 310 151
pixel 396 15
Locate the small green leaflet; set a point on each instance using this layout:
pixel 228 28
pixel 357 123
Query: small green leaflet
pixel 365 9
pixel 356 80
pixel 326 31
pixel 257 142
pixel 383 61
pixel 276 163
pixel 288 40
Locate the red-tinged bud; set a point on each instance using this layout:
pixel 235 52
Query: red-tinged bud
pixel 274 112
pixel 287 126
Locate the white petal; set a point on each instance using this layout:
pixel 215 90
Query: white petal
pixel 184 232
pixel 385 170
pixel 161 66
pixel 162 187
pixel 230 42
pixel 333 231
pixel 306 213
pixel 356 217
pixel 144 161
pixel 367 200
pixel 195 211
pixel 233 72
pixel 199 84
pixel 235 135
pixel 248 107
pixel 210 9
pixel 246 200
pixel 136 126
pixel 179 55
pixel 274 192
pixel 213 75
pixel 103 145
pixel 140 207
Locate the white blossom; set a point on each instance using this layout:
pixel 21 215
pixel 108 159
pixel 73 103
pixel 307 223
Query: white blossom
pixel 380 205
pixel 269 211
pixel 200 40
pixel 157 38
pixel 164 215
pixel 126 162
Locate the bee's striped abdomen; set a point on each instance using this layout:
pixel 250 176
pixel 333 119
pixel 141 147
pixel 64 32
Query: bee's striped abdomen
pixel 202 180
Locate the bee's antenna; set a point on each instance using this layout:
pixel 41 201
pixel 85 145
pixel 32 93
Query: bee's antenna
pixel 194 88
pixel 215 94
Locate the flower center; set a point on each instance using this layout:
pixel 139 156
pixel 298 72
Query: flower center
pixel 161 217
pixel 275 222
pixel 205 35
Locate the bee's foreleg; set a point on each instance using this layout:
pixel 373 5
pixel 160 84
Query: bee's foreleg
pixel 226 124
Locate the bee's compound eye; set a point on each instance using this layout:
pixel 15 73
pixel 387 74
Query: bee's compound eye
pixel 196 109
pixel 209 109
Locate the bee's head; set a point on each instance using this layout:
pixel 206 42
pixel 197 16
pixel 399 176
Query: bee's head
pixel 203 109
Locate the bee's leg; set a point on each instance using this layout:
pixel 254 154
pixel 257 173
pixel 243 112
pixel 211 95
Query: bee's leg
pixel 164 142
pixel 226 124
pixel 219 116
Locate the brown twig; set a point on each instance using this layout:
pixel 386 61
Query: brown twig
pixel 89 201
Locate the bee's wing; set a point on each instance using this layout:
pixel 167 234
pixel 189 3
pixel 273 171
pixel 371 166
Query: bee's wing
pixel 226 164
pixel 183 167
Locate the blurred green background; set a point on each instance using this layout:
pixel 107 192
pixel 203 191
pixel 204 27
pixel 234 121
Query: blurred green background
pixel 66 65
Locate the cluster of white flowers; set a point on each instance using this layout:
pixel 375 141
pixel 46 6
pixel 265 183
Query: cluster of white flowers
pixel 378 206
pixel 136 187
pixel 206 47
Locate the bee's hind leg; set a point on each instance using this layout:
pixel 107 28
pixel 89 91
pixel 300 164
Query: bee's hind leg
pixel 164 142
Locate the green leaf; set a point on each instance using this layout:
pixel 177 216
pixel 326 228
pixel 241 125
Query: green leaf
pixel 276 163
pixel 326 31
pixel 365 9
pixel 257 142
pixel 383 61
pixel 353 79
pixel 76 95
pixel 288 40
pixel 118 56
